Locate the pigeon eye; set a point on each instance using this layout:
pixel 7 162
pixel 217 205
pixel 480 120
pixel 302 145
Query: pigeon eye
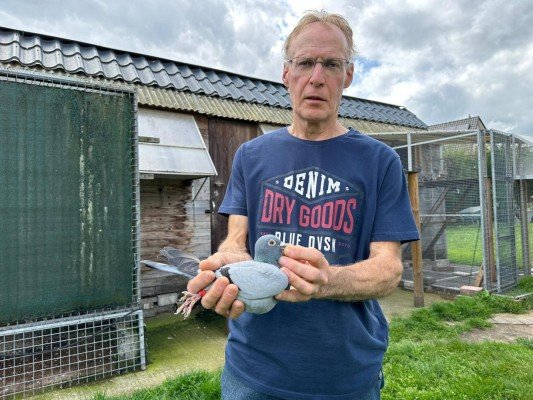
pixel 271 242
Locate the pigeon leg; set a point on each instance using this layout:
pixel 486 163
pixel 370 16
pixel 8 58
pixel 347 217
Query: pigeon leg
pixel 189 300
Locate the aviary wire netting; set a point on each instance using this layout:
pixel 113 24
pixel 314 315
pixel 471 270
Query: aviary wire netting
pixel 471 218
pixel 69 237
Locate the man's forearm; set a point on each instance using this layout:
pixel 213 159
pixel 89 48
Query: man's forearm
pixel 233 248
pixel 369 279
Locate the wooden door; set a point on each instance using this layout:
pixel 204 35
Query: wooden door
pixel 225 136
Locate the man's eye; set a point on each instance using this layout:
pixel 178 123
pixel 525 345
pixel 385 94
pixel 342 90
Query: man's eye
pixel 305 63
pixel 333 64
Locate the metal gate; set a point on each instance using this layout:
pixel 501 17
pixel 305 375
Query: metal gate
pixel 504 209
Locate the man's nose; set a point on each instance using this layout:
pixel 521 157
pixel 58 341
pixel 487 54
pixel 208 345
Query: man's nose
pixel 318 74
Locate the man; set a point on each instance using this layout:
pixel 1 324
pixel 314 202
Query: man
pixel 339 198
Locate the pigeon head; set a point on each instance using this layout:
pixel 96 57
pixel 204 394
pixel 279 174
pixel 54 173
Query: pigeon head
pixel 268 249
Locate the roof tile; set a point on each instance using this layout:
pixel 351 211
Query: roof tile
pixel 31 49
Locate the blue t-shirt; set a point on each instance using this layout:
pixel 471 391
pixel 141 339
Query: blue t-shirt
pixel 337 195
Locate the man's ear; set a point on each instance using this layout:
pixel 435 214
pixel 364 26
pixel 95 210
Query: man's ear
pixel 285 77
pixel 349 76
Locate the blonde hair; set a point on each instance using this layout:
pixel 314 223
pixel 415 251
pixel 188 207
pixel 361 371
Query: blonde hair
pixel 322 16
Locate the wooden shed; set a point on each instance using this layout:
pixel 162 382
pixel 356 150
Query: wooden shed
pixel 191 119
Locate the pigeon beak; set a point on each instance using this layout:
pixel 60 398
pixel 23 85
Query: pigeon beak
pixel 282 245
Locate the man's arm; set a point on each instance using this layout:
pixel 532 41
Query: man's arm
pixel 233 248
pixel 375 277
pixel 221 296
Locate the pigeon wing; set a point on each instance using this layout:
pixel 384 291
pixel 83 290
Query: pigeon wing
pixel 175 256
pixel 189 271
pixel 185 262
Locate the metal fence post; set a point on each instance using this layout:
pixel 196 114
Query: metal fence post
pixel 524 224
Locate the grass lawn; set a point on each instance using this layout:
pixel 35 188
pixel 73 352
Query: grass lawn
pixel 426 359
pixel 465 246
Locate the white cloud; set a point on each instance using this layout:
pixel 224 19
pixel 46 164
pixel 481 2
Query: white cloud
pixel 442 60
pixel 448 60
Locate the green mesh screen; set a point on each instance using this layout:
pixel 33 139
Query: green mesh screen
pixel 65 200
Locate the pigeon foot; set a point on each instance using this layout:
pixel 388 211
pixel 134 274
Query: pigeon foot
pixel 189 300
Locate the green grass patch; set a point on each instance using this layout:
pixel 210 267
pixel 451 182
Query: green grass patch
pixel 455 370
pixel 524 287
pixel 448 320
pixel 426 359
pixel 525 284
pixel 200 385
pixel 465 246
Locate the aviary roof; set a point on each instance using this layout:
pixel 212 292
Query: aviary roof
pixel 35 50
pixel 459 125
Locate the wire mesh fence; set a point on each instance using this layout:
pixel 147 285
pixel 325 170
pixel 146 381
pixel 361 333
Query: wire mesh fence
pixel 68 351
pixel 69 294
pixel 468 210
pixel 505 210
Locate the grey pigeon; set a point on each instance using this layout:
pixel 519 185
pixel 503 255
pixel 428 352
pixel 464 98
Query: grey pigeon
pixel 258 280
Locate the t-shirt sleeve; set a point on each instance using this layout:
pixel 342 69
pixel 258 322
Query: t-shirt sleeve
pixel 235 197
pixel 394 218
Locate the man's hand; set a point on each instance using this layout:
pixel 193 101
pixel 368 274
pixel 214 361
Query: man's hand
pixel 221 296
pixel 312 277
pixel 308 271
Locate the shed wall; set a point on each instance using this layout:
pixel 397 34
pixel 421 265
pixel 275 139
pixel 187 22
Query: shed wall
pixel 169 217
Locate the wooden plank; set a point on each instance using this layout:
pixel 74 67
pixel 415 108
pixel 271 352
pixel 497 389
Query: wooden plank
pixel 151 249
pixel 479 277
pixel 178 211
pixel 163 280
pixel 203 227
pixel 416 247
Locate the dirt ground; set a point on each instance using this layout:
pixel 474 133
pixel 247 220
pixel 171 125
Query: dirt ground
pixel 176 346
pixel 401 302
pixel 505 328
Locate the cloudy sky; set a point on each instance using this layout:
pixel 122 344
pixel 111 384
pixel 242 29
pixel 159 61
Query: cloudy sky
pixel 443 60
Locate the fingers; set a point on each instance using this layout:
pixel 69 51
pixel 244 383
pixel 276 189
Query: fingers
pixel 211 263
pixel 215 293
pixel 306 286
pixel 292 295
pixel 312 255
pixel 307 270
pixel 200 281
pixel 222 298
pixel 221 295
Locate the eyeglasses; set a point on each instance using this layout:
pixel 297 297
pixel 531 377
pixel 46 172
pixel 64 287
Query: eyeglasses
pixel 306 65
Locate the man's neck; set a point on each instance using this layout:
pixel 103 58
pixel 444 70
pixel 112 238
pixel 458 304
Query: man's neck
pixel 310 131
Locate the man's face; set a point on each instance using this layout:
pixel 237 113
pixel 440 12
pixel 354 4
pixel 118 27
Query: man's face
pixel 316 93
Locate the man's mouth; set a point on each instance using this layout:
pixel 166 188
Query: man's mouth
pixel 315 98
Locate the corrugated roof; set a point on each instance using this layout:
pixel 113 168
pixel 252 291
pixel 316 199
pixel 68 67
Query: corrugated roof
pixel 35 50
pixel 459 125
pixel 214 106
